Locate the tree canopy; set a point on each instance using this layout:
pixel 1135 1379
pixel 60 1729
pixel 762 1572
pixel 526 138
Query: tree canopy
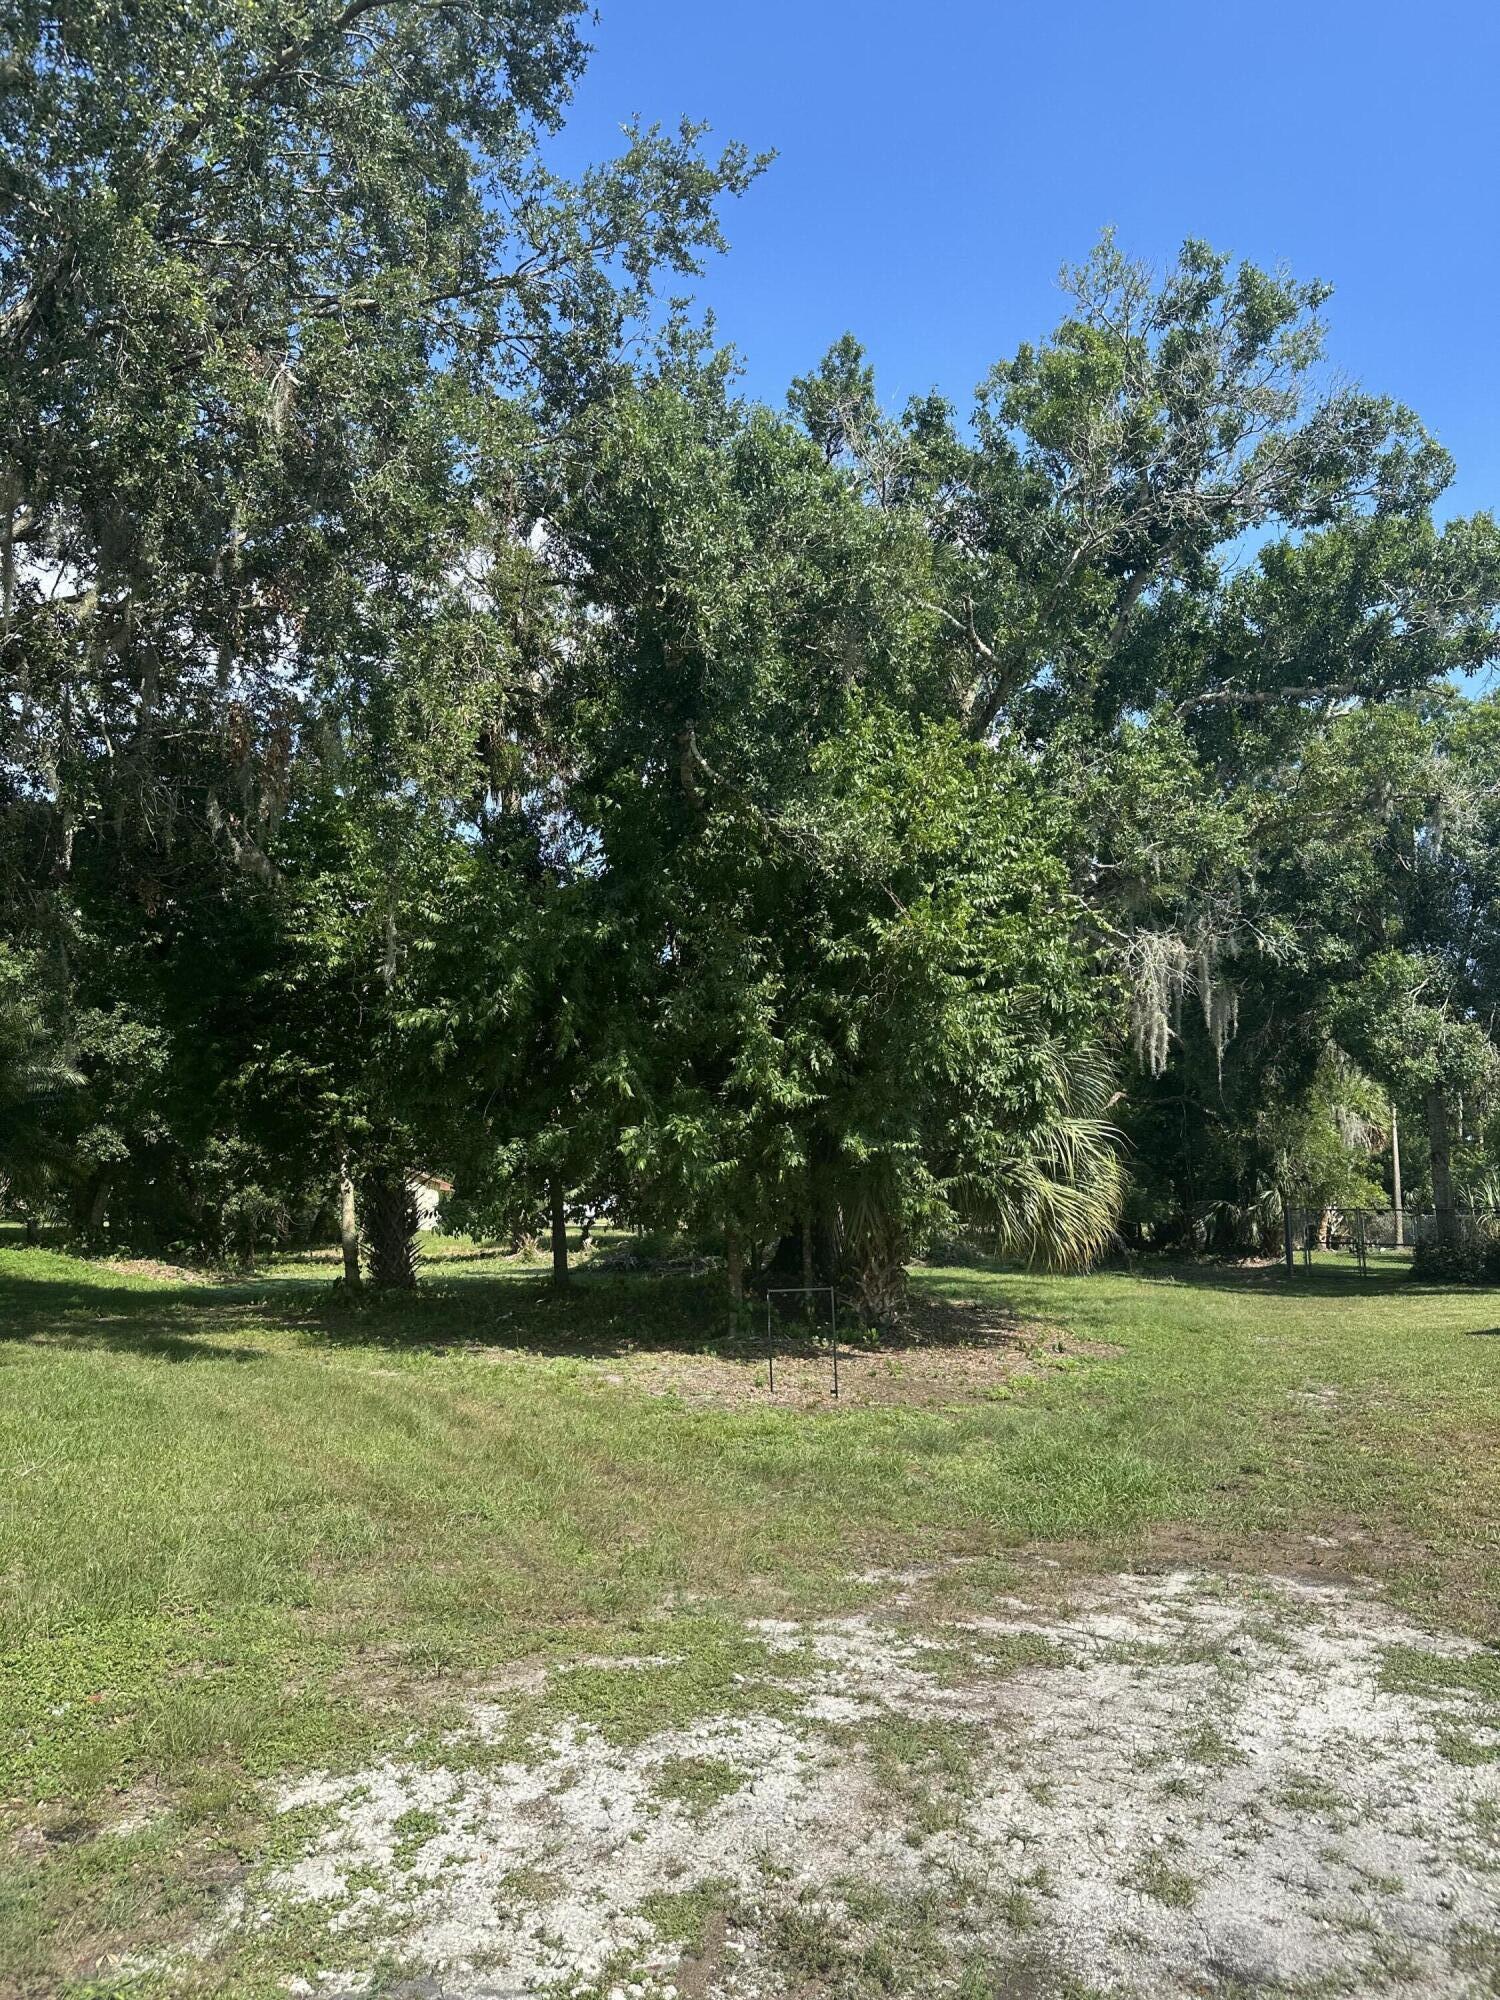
pixel 447 725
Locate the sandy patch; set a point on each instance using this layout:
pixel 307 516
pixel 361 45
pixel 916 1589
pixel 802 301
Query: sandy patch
pixel 1169 1785
pixel 950 1353
pixel 152 1267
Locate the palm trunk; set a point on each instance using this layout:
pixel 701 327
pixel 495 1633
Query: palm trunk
pixel 879 1268
pixel 559 1232
pixel 388 1215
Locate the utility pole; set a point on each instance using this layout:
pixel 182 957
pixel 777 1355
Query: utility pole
pixel 1396 1177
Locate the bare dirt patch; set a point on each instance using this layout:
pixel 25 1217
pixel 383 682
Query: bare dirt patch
pixel 151 1267
pixel 950 1353
pixel 1170 1785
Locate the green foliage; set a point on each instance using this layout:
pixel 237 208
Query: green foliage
pixel 447 729
pixel 1471 1257
pixel 39 1084
pixel 275 633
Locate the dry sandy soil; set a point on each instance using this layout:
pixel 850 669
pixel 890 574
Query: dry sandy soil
pixel 1156 1785
pixel 949 1352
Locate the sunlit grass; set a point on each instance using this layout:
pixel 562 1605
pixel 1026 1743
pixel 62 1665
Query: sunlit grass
pixel 247 1528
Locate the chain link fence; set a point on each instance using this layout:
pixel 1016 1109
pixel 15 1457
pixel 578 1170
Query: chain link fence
pixel 1382 1235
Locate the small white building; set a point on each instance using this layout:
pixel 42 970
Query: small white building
pixel 429 1191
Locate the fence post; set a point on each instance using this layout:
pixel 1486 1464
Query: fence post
pixel 1286 1226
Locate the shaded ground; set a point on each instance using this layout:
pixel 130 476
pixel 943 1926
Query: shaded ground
pixel 949 1352
pixel 1152 1785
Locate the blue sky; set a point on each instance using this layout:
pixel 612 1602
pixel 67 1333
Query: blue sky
pixel 938 163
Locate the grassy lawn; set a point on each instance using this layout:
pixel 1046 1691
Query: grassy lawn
pixel 248 1532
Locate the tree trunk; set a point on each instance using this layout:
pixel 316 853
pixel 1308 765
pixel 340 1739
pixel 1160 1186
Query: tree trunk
pixel 808 1248
pixel 734 1261
pixel 98 1207
pixel 559 1233
pixel 348 1225
pixel 880 1284
pixel 1396 1179
pixel 1440 1146
pixel 388 1224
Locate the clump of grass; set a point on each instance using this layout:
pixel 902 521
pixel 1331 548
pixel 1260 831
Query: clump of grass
pixel 411 1832
pixel 1178 1786
pixel 1457 1746
pixel 1477 1951
pixel 1154 1876
pixel 963 1657
pixel 1018 1909
pixel 682 1916
pixel 1303 1792
pixel 923 1767
pixel 698 1783
pixel 876 1944
pixel 1208 1745
pixel 1414 1670
pixel 1009 1652
pixel 711 1668
pixel 1167 1653
pixel 527 1887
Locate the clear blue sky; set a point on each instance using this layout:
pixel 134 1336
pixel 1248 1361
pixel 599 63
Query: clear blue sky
pixel 937 163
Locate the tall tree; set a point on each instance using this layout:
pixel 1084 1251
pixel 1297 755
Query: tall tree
pixel 863 1006
pixel 290 303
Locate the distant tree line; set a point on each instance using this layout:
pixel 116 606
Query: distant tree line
pixel 447 725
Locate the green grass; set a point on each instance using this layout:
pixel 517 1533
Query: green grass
pixel 697 1783
pixel 683 1914
pixel 1155 1877
pixel 247 1530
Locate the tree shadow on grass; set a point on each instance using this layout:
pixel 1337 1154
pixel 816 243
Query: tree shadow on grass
pixel 184 1323
pixel 1268 1280
pixel 601 1315
pixel 594 1316
pixel 597 1316
pixel 1274 1281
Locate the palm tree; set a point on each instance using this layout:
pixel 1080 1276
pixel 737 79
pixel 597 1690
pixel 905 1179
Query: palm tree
pixel 1049 1191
